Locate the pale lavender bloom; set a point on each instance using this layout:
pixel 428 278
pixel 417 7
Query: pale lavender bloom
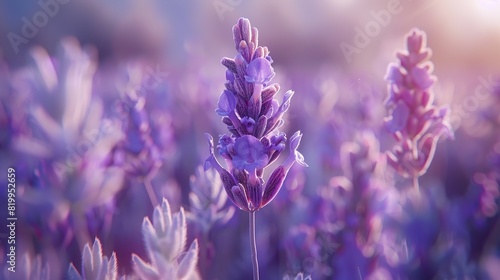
pixel 148 144
pixel 137 153
pixel 69 141
pixel 165 241
pixel 414 121
pixel 6 124
pixel 208 200
pixel 95 265
pixel 252 116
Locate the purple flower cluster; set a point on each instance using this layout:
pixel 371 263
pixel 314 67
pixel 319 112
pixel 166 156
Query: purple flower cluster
pixel 414 121
pixel 252 116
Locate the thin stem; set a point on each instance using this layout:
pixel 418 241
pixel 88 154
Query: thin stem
pixel 151 191
pixel 253 246
pixel 415 183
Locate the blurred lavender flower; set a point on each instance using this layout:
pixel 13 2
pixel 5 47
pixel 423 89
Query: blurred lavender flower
pixel 137 153
pixel 148 145
pixel 252 116
pixel 5 116
pixel 95 265
pixel 489 193
pixel 414 121
pixel 68 142
pixel 207 200
pixel 356 223
pixel 165 241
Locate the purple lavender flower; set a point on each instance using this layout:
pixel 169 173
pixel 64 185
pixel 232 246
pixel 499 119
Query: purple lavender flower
pixel 414 121
pixel 252 116
pixel 30 267
pixel 67 145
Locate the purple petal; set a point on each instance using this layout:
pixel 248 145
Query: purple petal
pixel 249 153
pixel 259 71
pixel 226 104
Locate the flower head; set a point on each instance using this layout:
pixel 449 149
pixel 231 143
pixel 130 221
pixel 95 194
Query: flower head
pixel 252 116
pixel 165 240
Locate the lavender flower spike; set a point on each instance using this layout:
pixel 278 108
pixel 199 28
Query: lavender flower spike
pixel 252 115
pixel 248 106
pixel 415 122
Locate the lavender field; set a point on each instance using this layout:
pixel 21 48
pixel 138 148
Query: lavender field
pixel 238 139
